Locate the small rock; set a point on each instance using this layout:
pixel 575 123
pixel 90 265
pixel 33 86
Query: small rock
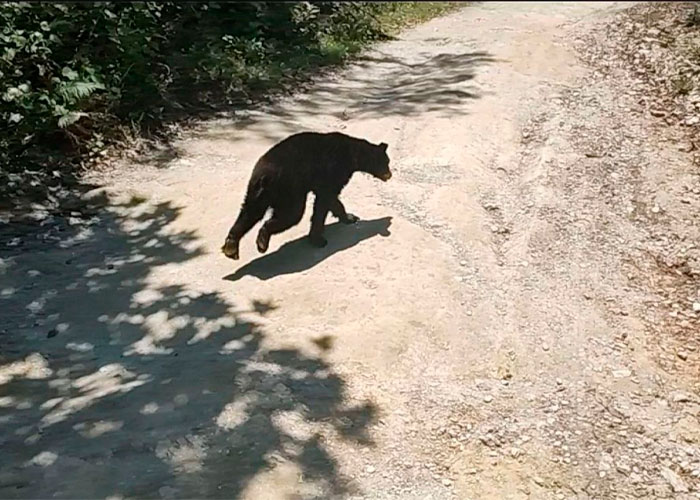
pixel 370 469
pixel 545 346
pixel 538 480
pixel 621 373
pixel 682 355
pixel 655 209
pixel 488 398
pixel 696 306
pixel 446 482
pixel 674 480
pixel 681 397
pixel 463 263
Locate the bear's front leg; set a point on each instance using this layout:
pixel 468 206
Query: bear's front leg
pixel 318 220
pixel 338 210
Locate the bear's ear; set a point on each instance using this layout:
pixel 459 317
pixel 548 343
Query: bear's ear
pixel 383 146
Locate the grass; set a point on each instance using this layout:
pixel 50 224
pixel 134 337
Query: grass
pixel 412 13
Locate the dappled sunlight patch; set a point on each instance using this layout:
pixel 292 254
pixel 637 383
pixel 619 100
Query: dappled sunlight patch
pixel 94 286
pixel 44 459
pixel 37 305
pixel 80 346
pixel 97 429
pixel 98 271
pixel 109 379
pixel 160 327
pixel 232 346
pixel 293 424
pixel 206 327
pixel 24 404
pixel 149 408
pixel 33 366
pixel 50 403
pixel 7 402
pixel 82 235
pixel 184 455
pixel 236 413
pixel 17 404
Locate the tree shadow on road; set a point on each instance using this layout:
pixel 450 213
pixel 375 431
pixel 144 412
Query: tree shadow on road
pixel 377 85
pixel 112 385
pixel 298 255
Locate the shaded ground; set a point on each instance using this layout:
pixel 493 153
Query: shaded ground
pixel 478 334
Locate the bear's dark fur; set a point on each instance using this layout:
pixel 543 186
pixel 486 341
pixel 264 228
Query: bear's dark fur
pixel 303 163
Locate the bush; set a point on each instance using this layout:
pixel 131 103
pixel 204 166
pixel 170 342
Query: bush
pixel 72 74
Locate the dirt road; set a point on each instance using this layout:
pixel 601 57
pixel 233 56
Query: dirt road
pixel 475 336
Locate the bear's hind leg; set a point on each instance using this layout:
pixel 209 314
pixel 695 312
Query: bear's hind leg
pixel 250 214
pixel 283 218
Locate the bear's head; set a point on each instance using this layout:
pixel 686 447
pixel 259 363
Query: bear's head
pixel 375 161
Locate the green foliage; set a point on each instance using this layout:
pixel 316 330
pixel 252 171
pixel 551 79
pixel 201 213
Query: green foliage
pixel 70 73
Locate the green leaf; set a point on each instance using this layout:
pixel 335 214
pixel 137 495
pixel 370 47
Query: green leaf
pixel 72 91
pixel 70 118
pixel 9 54
pixel 69 73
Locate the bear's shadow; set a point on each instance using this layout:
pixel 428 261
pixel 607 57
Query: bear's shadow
pixel 298 255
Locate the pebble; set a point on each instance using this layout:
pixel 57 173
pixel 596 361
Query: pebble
pixel 370 469
pixel 681 397
pixel 488 398
pixel 545 346
pixel 674 480
pixel 446 482
pixel 696 306
pixel 463 263
pixel 682 355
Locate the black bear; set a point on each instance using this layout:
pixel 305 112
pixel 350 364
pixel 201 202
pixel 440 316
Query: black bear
pixel 283 177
